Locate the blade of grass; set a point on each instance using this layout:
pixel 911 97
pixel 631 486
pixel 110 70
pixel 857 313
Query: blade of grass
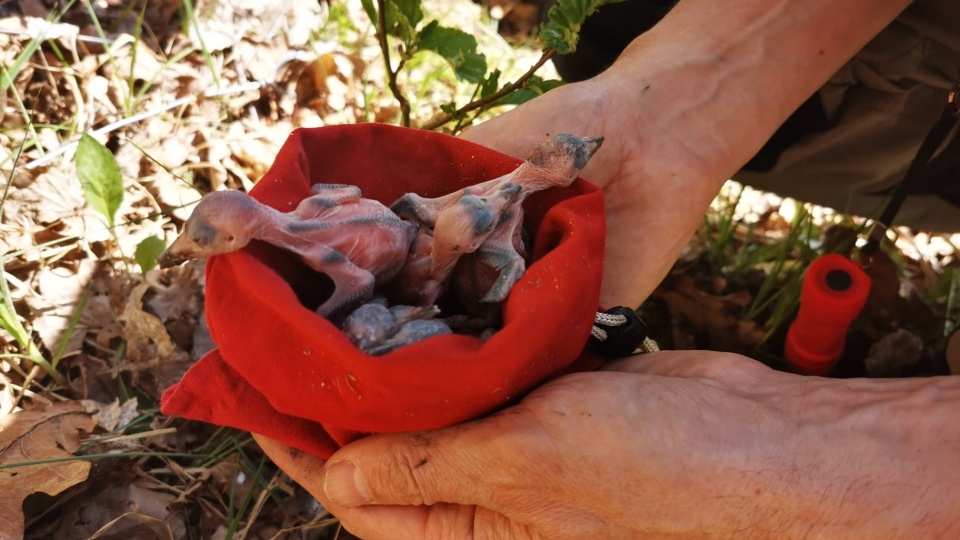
pixel 191 18
pixel 97 457
pixel 8 314
pixel 773 275
pixel 5 76
pixel 949 309
pixel 71 328
pixel 236 517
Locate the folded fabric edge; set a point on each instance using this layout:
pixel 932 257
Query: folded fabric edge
pixel 211 391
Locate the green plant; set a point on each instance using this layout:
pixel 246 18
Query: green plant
pixel 100 177
pixel 9 320
pixel 402 20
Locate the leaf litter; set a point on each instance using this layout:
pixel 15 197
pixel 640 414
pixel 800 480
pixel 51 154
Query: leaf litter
pixel 189 101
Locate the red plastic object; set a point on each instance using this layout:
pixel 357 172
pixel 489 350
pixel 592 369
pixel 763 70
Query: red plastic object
pixel 833 294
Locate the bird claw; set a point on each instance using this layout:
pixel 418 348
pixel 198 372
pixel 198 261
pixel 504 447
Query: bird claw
pixel 413 208
pixel 511 266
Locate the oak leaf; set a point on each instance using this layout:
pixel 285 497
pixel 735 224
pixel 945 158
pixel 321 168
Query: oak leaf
pixel 38 435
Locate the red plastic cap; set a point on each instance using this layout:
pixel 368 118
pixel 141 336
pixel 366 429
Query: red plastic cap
pixel 832 295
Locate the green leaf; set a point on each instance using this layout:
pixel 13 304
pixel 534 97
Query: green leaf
pixel 457 47
pixel 490 84
pixel 147 252
pixel 409 10
pixel 100 177
pixel 401 17
pixel 562 29
pixel 371 10
pixel 533 88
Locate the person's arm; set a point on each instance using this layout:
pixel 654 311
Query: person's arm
pixel 683 108
pixel 674 445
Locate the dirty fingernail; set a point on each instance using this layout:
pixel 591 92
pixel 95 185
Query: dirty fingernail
pixel 344 485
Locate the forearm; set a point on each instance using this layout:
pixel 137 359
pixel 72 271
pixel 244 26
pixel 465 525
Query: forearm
pixel 683 108
pixel 720 77
pixel 693 99
pixel 875 459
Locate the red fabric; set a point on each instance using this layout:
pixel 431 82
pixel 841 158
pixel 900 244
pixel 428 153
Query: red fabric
pixel 284 371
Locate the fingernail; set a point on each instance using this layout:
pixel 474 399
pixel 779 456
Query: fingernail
pixel 344 485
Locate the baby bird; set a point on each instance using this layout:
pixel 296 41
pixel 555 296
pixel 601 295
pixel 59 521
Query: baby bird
pixel 460 228
pixel 376 329
pixel 411 332
pixel 359 243
pixel 556 162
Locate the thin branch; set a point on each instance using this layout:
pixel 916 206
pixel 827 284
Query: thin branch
pixel 547 55
pixel 391 74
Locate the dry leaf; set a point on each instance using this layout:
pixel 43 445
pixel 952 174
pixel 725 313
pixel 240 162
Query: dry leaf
pixel 894 355
pixel 48 433
pixel 145 334
pixel 718 317
pixel 183 295
pixel 202 340
pixel 893 298
pixel 110 416
pixel 118 512
pixel 65 287
pixel 8 401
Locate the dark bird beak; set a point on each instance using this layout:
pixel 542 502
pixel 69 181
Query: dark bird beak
pixel 593 144
pixel 170 258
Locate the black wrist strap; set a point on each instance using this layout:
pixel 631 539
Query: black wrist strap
pixel 920 176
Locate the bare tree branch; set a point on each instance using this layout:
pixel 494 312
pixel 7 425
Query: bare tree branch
pixel 391 74
pixel 547 55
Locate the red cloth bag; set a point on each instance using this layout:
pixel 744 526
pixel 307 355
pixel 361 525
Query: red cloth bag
pixel 283 371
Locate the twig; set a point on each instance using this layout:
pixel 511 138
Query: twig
pixel 49 156
pixel 236 89
pixel 391 74
pixel 547 55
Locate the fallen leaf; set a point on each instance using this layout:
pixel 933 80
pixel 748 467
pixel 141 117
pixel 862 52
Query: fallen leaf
pixel 145 334
pixel 60 293
pixel 127 510
pixel 894 298
pixel 8 401
pixel 202 340
pixel 110 416
pixel 894 355
pixel 152 358
pixel 716 317
pixel 183 295
pixel 26 436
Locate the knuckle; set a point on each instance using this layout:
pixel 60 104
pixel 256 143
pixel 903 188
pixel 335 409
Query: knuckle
pixel 409 472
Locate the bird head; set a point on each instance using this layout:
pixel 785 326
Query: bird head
pixel 462 227
pixel 222 222
pixel 559 159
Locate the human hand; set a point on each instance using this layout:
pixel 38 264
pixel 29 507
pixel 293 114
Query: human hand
pixel 656 190
pixel 663 444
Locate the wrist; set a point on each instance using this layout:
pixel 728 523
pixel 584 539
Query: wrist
pixel 873 459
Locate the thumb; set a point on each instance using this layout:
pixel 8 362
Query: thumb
pixel 451 465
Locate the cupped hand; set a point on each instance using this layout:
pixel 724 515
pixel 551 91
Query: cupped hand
pixel 660 445
pixel 656 187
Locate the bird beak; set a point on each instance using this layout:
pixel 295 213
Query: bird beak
pixel 174 255
pixel 168 259
pixel 593 144
pixel 508 193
